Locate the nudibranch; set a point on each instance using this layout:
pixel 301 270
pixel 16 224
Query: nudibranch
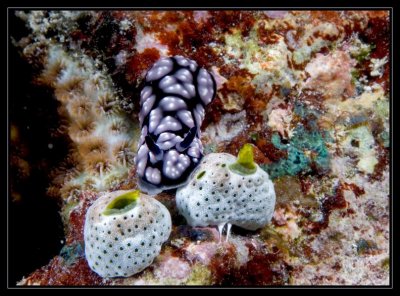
pixel 172 102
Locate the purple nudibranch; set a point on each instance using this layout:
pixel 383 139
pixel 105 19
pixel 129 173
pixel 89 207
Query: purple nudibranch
pixel 172 103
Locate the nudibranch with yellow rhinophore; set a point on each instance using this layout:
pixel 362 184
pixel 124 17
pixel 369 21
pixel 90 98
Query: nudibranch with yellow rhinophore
pixel 173 103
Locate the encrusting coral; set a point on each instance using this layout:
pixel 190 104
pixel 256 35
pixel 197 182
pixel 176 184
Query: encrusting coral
pixel 124 231
pixel 225 190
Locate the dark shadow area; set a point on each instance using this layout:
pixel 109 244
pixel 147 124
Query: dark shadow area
pixel 35 226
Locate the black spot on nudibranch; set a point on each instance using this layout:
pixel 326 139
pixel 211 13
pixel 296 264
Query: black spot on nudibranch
pixel 173 102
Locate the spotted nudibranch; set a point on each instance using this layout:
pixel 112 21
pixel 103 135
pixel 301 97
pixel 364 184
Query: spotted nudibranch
pixel 172 103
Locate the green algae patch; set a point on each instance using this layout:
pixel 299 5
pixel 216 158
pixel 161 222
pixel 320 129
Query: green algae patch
pixel 67 209
pixel 365 246
pixel 355 75
pixel 270 236
pixel 296 162
pixel 385 139
pixel 362 53
pixel 385 263
pixel 363 143
pixel 288 189
pixel 210 148
pixel 306 149
pixel 122 203
pixel 382 108
pixel 71 253
pixel 245 164
pixel 200 275
pixel 254 136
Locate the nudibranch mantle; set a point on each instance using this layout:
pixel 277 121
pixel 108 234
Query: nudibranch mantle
pixel 172 102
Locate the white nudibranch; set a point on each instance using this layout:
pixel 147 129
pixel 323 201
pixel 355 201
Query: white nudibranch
pixel 226 190
pixel 172 102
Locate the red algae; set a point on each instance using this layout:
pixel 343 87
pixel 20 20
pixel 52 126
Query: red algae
pixel 328 204
pixel 140 63
pixel 265 269
pixel 222 264
pixel 305 184
pixel 214 112
pixel 380 167
pixel 263 142
pixel 353 187
pixel 264 151
pixel 246 137
pixel 205 57
pixel 156 21
pixel 253 102
pixel 271 36
pixel 56 273
pixel 171 39
pixel 229 71
pixel 327 16
pixel 261 270
pixel 226 21
pixel 77 216
pixel 184 36
pixel 377 33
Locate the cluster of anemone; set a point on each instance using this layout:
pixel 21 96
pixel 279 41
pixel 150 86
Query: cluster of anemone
pixel 101 133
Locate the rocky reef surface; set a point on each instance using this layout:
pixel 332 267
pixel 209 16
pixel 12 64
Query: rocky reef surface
pixel 309 89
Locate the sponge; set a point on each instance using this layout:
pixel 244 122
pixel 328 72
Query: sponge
pixel 123 233
pixel 228 190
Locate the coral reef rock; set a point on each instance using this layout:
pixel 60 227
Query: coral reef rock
pixel 309 90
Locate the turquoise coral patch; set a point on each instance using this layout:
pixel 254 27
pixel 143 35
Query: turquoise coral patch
pixel 305 148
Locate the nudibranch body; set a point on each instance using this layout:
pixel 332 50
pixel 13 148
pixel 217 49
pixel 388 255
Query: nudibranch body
pixel 172 103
